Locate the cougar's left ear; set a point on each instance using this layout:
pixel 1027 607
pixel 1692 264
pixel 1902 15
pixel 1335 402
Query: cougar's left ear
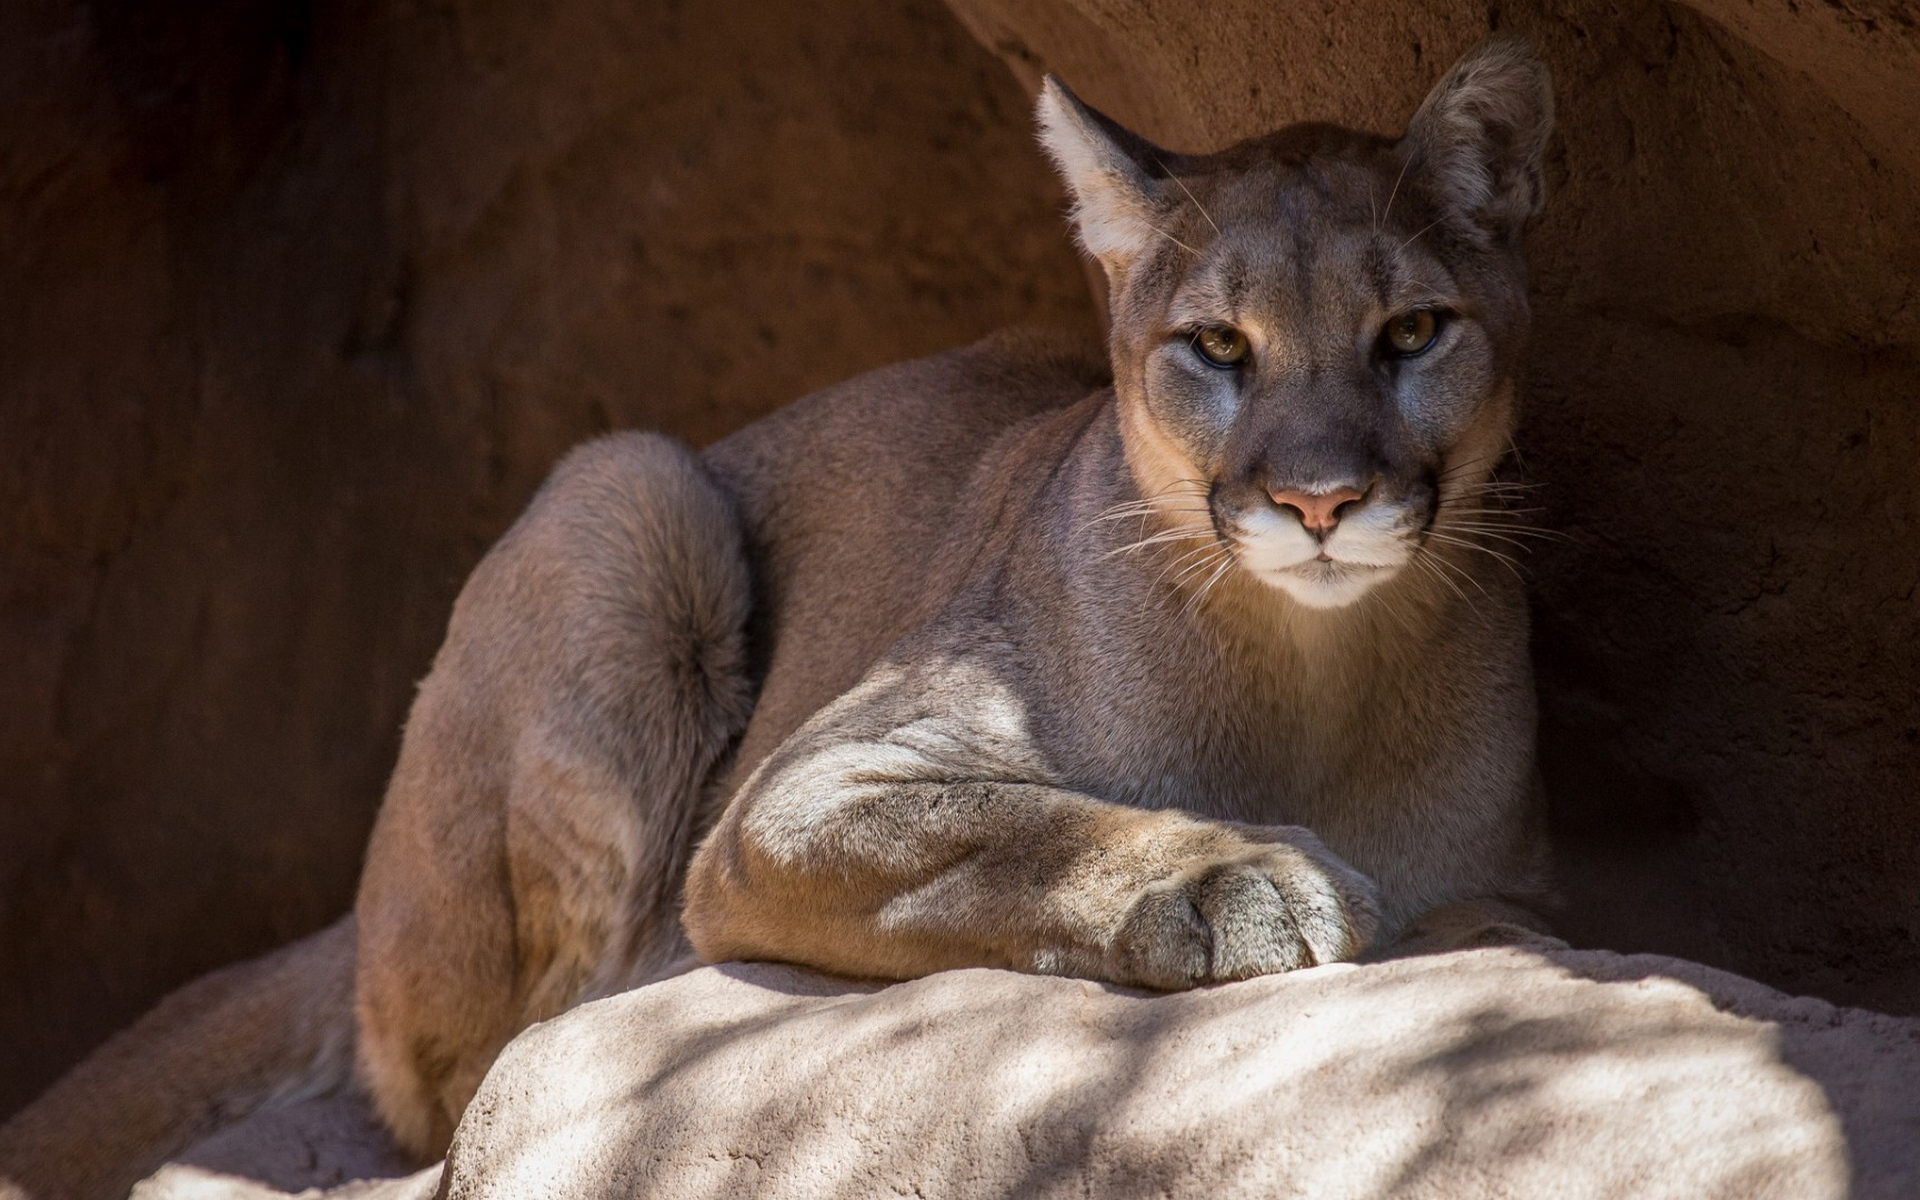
pixel 1479 138
pixel 1110 172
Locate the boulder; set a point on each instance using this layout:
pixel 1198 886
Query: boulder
pixel 1498 1072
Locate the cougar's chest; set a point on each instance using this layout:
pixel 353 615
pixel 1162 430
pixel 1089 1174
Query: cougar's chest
pixel 1179 719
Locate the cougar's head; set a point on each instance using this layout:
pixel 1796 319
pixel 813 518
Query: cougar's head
pixel 1316 334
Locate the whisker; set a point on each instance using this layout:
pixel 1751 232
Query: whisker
pixel 1492 520
pixel 1196 200
pixel 1171 535
pixel 1176 241
pixel 1494 512
pixel 1202 564
pixel 1218 577
pixel 1205 552
pixel 1518 531
pixel 1141 507
pixel 1146 511
pixel 1455 469
pixel 1497 535
pixel 1510 563
pixel 1420 560
pixel 1200 593
pixel 1501 486
pixel 1460 570
pixel 1416 237
pixel 1219 552
pixel 1490 502
pixel 1397 180
pixel 1400 616
pixel 1458 469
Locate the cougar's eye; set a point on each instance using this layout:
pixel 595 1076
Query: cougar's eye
pixel 1410 333
pixel 1221 345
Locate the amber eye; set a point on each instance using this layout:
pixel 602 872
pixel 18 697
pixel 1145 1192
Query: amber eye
pixel 1221 345
pixel 1411 333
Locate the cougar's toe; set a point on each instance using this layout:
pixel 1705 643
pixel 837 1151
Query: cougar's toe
pixel 1164 942
pixel 1254 930
pixel 1332 907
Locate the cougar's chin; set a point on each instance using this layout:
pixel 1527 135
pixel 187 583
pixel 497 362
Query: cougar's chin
pixel 1318 584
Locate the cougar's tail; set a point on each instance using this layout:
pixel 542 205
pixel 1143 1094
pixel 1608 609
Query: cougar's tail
pixel 273 1030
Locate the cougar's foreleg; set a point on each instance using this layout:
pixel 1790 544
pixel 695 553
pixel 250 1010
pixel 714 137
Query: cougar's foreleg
pixel 910 827
pixel 533 840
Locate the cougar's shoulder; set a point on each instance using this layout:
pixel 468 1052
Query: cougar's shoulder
pixel 901 440
pixel 861 504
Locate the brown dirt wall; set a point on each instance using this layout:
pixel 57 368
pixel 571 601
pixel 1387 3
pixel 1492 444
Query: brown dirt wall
pixel 1723 415
pixel 299 301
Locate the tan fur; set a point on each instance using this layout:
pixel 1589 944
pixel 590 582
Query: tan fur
pixel 549 785
pixel 978 660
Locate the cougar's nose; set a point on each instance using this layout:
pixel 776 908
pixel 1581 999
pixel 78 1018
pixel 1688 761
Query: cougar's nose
pixel 1319 512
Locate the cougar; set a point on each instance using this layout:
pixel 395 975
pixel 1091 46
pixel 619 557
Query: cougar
pixel 1187 663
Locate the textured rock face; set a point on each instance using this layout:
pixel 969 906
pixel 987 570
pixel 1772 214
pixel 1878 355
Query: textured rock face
pixel 1475 1074
pixel 1721 414
pixel 301 302
pixel 1486 1073
pixel 332 1143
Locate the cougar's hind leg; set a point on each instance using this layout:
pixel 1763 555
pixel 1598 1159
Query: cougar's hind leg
pixel 534 840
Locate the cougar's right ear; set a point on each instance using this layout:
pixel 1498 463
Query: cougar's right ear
pixel 1110 172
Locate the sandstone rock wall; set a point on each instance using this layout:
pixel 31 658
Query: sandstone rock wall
pixel 297 304
pixel 1723 414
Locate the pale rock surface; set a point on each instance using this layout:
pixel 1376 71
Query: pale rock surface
pixel 332 1146
pixel 1483 1073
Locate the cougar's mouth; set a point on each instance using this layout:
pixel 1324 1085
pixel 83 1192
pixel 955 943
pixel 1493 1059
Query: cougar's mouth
pixel 1330 573
pixel 1328 582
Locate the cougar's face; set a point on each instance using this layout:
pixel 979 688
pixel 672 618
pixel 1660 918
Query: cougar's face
pixel 1316 334
pixel 1314 373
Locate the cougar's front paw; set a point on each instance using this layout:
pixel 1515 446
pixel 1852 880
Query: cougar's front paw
pixel 1268 909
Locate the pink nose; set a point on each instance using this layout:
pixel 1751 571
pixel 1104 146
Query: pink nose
pixel 1319 513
